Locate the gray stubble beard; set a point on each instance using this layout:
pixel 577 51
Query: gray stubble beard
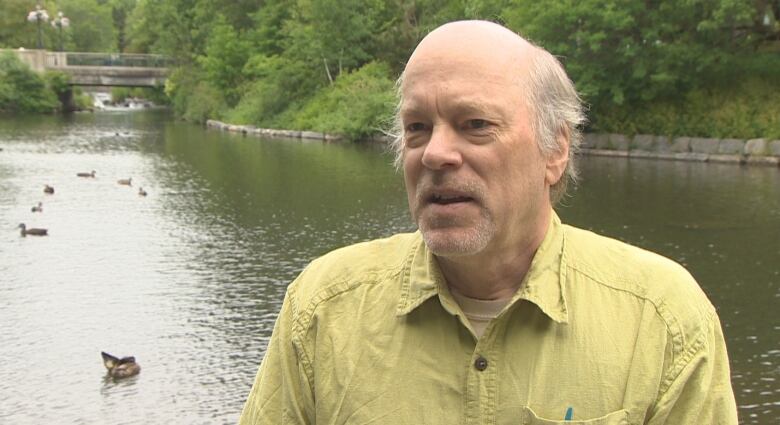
pixel 473 240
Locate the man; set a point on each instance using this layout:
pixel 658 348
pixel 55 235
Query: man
pixel 493 312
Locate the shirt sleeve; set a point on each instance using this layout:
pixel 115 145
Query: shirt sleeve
pixel 281 393
pixel 699 389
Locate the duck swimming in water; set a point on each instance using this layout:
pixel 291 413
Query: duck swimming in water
pixel 37 208
pixel 141 192
pixel 92 174
pixel 32 231
pixel 120 368
pixel 48 189
pixel 125 182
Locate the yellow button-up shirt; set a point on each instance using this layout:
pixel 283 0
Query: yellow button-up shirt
pixel 599 333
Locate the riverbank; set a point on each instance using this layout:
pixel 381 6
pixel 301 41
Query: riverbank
pixel 251 130
pixel 697 149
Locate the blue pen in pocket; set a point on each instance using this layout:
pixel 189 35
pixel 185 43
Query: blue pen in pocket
pixel 569 414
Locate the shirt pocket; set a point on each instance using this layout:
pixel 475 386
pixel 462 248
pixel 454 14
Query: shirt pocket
pixel 619 417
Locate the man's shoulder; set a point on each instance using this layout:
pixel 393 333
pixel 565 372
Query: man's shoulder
pixel 349 267
pixel 636 272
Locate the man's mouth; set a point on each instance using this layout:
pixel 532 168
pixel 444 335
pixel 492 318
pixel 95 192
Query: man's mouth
pixel 447 199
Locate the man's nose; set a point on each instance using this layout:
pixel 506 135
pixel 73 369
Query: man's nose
pixel 442 150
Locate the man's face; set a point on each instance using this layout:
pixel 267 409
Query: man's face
pixel 474 175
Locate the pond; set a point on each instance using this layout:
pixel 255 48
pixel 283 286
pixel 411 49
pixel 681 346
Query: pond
pixel 189 278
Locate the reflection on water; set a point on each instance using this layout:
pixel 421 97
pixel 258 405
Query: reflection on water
pixel 723 223
pixel 189 278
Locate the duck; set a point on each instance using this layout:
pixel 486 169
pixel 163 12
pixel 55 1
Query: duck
pixel 37 208
pixel 120 368
pixel 141 192
pixel 32 231
pixel 92 174
pixel 48 189
pixel 125 182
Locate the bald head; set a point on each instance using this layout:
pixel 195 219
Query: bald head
pixel 472 42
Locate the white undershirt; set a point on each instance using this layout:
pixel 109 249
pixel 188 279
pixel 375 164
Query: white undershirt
pixel 479 312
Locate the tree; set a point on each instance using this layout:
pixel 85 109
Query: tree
pixel 120 10
pixel 628 51
pixel 337 34
pixel 91 26
pixel 226 54
pixel 167 27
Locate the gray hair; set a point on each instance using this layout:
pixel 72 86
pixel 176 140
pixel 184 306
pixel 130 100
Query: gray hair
pixel 556 108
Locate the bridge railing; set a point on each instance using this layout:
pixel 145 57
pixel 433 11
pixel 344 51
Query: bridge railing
pixel 58 59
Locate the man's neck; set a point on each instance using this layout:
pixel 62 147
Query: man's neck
pixel 498 272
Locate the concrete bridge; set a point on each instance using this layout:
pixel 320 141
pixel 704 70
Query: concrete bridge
pixel 101 69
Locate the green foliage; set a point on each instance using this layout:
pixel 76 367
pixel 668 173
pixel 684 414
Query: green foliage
pixel 181 28
pixel 120 11
pixel 641 66
pixel 279 84
pixel 205 102
pixel 21 89
pixel 662 68
pixel 626 51
pixel 348 24
pixel 15 31
pixel 357 105
pixel 91 26
pixel 267 35
pixel 162 26
pixel 57 82
pixel 226 53
pixel 192 98
pixel 119 94
pixel 155 94
pixel 747 109
pixel 82 101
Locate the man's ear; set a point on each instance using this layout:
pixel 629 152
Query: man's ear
pixel 557 160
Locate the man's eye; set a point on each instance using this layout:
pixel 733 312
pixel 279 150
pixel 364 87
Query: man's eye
pixel 415 126
pixel 476 124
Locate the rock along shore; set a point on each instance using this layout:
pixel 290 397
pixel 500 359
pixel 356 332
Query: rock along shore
pixel 734 151
pixel 250 130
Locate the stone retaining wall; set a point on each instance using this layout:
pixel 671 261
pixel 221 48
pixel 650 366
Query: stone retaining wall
pixel 286 134
pixel 737 151
pixel 273 133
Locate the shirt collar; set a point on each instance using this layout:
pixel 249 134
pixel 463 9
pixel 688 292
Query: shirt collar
pixel 543 285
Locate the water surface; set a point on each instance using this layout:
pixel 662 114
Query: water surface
pixel 189 279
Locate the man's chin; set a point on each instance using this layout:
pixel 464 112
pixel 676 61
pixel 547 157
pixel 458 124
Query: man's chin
pixel 455 241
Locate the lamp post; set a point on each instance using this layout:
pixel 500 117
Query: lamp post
pixel 60 22
pixel 38 15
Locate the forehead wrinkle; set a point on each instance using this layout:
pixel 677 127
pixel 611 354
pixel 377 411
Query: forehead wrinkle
pixel 450 100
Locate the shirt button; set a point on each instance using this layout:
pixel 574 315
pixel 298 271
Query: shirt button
pixel 481 363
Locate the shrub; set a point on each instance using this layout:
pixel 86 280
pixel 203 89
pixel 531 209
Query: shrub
pixel 192 97
pixel 82 101
pixel 21 89
pixel 204 103
pixel 278 85
pixel 155 94
pixel 747 109
pixel 356 105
